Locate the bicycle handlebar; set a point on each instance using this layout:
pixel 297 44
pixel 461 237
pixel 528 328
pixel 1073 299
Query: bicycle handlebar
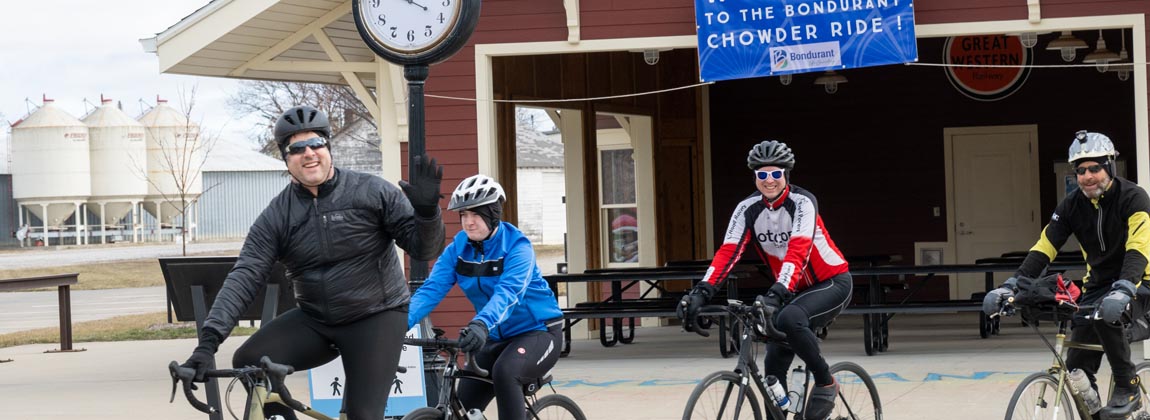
pixel 275 373
pixel 449 345
pixel 757 317
pixel 184 376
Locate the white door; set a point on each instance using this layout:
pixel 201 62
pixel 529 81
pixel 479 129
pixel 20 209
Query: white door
pixel 995 202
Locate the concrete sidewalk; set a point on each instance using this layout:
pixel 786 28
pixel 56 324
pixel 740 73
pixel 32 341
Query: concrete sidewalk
pixel 937 367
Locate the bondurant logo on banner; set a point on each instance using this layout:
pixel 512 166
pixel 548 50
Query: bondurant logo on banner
pixel 792 58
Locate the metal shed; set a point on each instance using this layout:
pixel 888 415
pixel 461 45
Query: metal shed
pixel 238 183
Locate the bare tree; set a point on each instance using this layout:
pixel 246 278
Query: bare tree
pixel 269 99
pixel 181 157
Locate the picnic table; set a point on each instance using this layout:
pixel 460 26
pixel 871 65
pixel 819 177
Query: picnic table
pixel 877 313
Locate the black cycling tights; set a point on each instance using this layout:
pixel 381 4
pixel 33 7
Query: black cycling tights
pixel 370 348
pixel 811 309
pixel 518 361
pixel 1112 338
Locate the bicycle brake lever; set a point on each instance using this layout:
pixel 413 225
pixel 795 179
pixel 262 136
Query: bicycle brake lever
pixel 474 367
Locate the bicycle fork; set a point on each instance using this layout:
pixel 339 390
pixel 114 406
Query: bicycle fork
pixel 744 383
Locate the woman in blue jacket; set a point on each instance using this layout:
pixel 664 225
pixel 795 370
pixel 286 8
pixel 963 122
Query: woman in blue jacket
pixel 517 330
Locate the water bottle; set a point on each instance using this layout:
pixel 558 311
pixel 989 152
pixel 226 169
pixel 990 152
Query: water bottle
pixel 475 414
pixel 798 389
pixel 1080 385
pixel 777 392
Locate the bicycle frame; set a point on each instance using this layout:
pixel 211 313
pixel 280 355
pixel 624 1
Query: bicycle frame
pixel 448 395
pixel 1059 371
pixel 448 402
pixel 260 396
pixel 747 367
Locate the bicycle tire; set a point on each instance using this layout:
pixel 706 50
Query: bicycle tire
pixel 1030 400
pixel 555 407
pixel 1143 372
pixel 869 335
pixel 858 396
pixel 702 405
pixel 424 413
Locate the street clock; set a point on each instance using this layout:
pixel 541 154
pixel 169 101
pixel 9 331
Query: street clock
pixel 408 32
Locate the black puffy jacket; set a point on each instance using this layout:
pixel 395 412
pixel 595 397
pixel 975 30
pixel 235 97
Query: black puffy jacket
pixel 338 247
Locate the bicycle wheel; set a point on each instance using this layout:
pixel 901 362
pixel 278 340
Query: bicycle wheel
pixel 1143 371
pixel 858 397
pixel 869 342
pixel 1035 399
pixel 717 396
pixel 425 413
pixel 555 407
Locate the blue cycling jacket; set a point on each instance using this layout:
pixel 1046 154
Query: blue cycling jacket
pixel 500 278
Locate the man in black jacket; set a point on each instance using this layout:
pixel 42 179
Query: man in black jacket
pixel 1109 217
pixel 335 231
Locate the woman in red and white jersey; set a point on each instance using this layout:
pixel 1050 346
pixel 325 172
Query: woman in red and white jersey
pixel 781 222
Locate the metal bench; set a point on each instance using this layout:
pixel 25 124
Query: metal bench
pixel 63 283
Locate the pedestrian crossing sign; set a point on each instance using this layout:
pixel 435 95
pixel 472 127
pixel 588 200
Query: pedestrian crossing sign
pixel 327 384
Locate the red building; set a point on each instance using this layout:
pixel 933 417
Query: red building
pixel 905 162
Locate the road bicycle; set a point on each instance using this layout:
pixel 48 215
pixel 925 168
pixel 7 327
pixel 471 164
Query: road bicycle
pixel 548 407
pixel 264 382
pixel 729 395
pixel 1046 395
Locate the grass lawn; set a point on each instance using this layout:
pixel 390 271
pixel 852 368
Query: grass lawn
pixel 110 275
pixel 153 326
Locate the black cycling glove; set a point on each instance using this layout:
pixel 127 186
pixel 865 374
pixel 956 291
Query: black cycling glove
pixel 423 190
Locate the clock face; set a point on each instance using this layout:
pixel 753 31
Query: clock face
pixel 409 26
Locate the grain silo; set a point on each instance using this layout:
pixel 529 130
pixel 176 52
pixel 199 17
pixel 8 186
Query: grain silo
pixel 50 171
pixel 174 161
pixel 119 162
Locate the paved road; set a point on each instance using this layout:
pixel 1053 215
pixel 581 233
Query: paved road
pixel 937 368
pixel 49 256
pixel 29 310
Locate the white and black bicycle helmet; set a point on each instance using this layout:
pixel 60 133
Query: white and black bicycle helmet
pixel 771 153
pixel 475 191
pixel 1095 147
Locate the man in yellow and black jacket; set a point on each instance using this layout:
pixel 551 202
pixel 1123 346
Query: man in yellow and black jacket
pixel 1110 217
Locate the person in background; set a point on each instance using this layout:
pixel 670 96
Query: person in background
pixel 516 333
pixel 1108 215
pixel 812 280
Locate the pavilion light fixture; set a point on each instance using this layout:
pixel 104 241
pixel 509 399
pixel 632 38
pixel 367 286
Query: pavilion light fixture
pixel 1123 66
pixel 1101 56
pixel 1068 45
pixel 650 55
pixel 830 81
pixel 786 79
pixel 1028 39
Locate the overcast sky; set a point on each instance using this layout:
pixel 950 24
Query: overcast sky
pixel 71 50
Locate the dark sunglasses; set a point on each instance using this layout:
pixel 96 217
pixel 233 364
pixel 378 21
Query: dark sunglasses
pixel 763 175
pixel 315 143
pixel 1081 170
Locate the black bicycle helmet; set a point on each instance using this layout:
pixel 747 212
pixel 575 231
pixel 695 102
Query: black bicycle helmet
pixel 771 153
pixel 299 119
pixel 475 191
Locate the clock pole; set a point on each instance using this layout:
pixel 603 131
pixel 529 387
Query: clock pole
pixel 416 75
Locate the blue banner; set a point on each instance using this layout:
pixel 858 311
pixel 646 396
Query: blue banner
pixel 751 38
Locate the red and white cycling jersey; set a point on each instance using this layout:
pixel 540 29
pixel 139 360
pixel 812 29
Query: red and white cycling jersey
pixel 791 238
